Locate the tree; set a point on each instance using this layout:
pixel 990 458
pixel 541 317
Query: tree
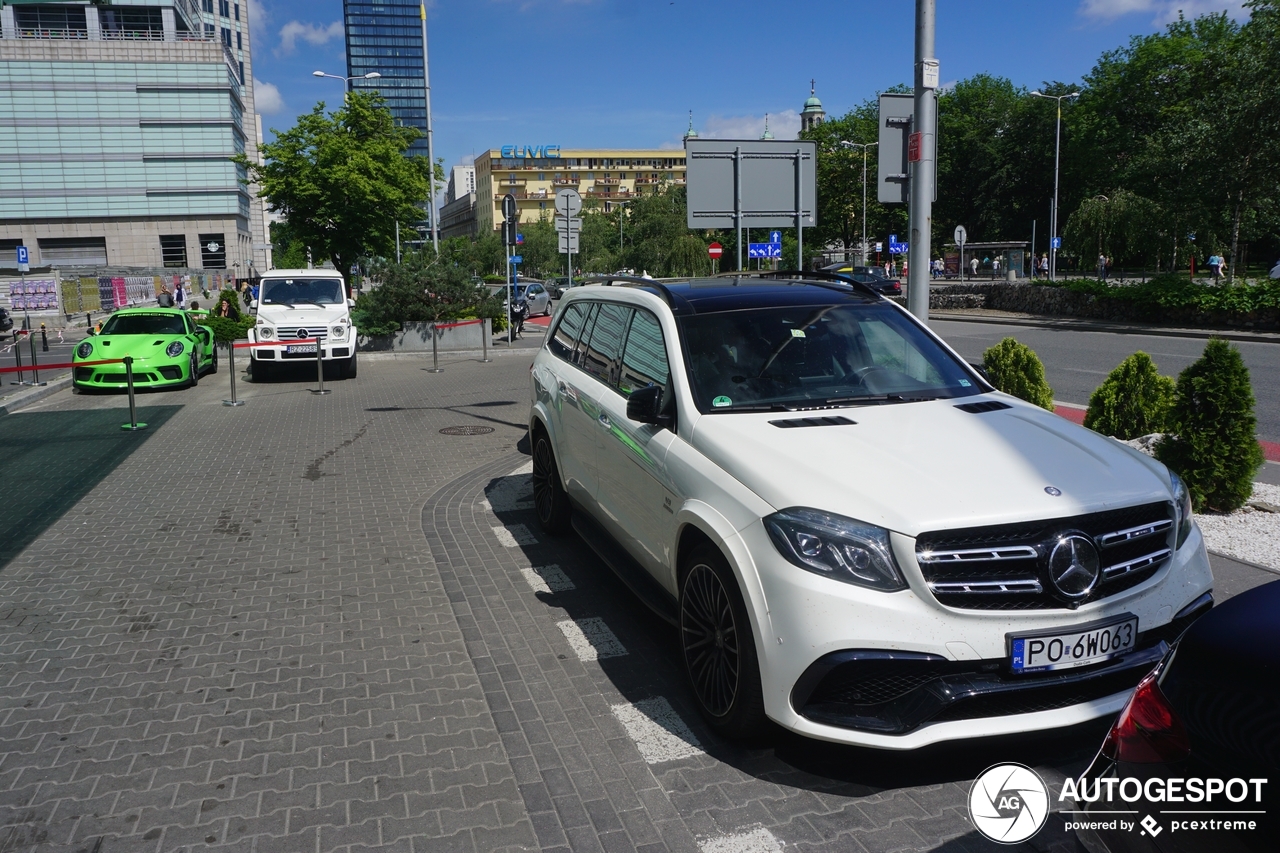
pixel 342 181
pixel 1133 401
pixel 422 288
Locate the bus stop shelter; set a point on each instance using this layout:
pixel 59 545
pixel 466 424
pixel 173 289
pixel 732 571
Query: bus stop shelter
pixel 1013 257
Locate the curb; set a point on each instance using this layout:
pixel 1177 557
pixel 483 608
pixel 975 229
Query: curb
pixel 26 398
pixel 1072 323
pixel 1243 561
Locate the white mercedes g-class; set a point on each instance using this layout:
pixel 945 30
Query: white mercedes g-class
pixel 302 305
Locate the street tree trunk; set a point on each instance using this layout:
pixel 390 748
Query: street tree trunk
pixel 1235 238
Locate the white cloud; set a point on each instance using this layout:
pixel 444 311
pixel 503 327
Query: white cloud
pixel 783 125
pixel 1162 11
pixel 266 98
pixel 312 34
pixel 259 17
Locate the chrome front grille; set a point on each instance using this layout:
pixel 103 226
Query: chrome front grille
pixel 289 334
pixel 1005 567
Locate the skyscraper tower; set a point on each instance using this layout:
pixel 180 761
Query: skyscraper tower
pixel 813 114
pixel 386 36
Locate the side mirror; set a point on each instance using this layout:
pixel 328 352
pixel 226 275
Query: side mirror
pixel 982 371
pixel 351 303
pixel 645 404
pixel 92 331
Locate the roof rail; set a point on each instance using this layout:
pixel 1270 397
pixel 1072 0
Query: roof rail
pixel 612 279
pixel 822 278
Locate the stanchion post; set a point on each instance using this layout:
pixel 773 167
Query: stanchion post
pixel 435 354
pixel 231 366
pixel 133 424
pixel 44 339
pixel 484 340
pixel 35 371
pixel 17 356
pixel 320 370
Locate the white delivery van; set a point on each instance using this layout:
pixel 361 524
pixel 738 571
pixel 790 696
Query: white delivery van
pixel 298 305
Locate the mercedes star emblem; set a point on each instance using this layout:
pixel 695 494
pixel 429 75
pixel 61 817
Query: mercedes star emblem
pixel 1073 565
pixel 1052 491
pixel 302 333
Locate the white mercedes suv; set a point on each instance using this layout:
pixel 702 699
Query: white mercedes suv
pixel 857 536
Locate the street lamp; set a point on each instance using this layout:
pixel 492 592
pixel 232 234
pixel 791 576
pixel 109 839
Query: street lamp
pixel 372 75
pixel 864 146
pixel 1057 147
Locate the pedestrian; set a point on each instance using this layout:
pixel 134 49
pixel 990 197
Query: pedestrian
pixel 180 296
pixel 973 265
pixel 1215 266
pixel 1102 267
pixel 165 299
pixel 1044 265
pixel 888 269
pixel 1106 269
pixel 195 306
pixel 995 267
pixel 226 310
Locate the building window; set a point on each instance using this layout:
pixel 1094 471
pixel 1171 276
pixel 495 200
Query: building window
pixel 74 251
pixel 542 176
pixel 242 72
pixel 224 8
pixel 173 250
pixel 226 36
pixel 239 44
pixel 237 11
pixel 209 31
pixel 208 6
pixel 213 252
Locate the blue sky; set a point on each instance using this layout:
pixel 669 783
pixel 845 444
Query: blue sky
pixel 625 73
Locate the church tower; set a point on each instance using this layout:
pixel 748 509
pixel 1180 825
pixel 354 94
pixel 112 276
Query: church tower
pixel 812 115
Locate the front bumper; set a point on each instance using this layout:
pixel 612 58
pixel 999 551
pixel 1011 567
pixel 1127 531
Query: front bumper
pixel 146 373
pixel 900 670
pixel 278 351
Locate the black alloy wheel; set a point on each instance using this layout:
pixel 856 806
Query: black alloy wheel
pixel 550 500
pixel 719 648
pixel 194 369
pixel 213 364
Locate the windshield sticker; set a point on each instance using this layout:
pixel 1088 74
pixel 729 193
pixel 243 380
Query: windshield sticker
pixel 965 383
pixel 797 333
pixel 721 401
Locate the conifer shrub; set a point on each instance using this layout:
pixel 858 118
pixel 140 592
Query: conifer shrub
pixel 1133 401
pixel 1015 369
pixel 1212 443
pixel 227 329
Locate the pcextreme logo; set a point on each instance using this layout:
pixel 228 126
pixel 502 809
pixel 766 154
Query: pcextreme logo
pixel 1008 803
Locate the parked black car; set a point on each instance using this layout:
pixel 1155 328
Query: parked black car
pixel 871 276
pixel 6 322
pixel 1199 734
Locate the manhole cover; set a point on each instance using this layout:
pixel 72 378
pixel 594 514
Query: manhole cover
pixel 466 430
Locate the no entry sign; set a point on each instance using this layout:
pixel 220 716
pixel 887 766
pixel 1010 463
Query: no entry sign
pixel 715 250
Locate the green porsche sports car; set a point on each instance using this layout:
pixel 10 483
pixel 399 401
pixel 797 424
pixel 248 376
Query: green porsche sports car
pixel 168 349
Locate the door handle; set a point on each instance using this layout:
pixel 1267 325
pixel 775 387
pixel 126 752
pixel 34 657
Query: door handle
pixel 605 422
pixel 562 388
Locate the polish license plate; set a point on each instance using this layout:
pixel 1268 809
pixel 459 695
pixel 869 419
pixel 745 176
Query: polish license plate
pixel 300 348
pixel 1065 648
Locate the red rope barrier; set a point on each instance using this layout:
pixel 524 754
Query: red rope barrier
pixel 27 368
pixel 289 342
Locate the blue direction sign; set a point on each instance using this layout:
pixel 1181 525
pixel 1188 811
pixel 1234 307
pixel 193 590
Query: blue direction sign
pixel 764 250
pixel 519 239
pixel 775 236
pixel 517 259
pixel 23 258
pixel 1055 243
pixel 896 248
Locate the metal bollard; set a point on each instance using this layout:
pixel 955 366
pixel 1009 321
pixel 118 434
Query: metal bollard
pixel 320 370
pixel 231 366
pixel 133 425
pixel 17 355
pixel 435 355
pixel 484 340
pixel 35 371
pixel 44 339
pixel 88 320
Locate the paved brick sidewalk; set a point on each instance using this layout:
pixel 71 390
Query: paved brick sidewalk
pixel 318 624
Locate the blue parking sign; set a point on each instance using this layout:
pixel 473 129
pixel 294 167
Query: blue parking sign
pixel 23 257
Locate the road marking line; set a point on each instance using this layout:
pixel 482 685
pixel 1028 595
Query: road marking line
pixel 547 579
pixel 526 468
pixel 514 535
pixel 657 730
pixel 591 639
pixel 512 492
pixel 758 840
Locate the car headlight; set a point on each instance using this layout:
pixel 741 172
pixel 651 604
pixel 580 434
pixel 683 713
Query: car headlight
pixel 174 349
pixel 1182 507
pixel 339 331
pixel 84 350
pixel 266 332
pixel 836 547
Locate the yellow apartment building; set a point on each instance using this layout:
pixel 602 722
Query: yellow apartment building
pixel 534 173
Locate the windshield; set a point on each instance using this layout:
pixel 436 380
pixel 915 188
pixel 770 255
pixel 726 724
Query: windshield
pixel 804 356
pixel 145 324
pixel 302 291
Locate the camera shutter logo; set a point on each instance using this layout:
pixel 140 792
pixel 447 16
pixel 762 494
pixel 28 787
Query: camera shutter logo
pixel 1008 803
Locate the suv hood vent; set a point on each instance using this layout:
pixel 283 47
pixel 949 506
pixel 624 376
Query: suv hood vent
pixel 984 406
pixel 836 420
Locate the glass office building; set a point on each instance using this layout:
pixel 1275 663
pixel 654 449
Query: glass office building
pixel 386 36
pixel 117 123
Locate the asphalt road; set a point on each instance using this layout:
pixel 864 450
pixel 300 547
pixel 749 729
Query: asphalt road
pixel 1077 361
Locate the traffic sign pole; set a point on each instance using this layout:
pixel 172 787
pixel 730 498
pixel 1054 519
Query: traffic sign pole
pixel 922 171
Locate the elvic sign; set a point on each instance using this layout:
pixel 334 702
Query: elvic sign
pixel 530 152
